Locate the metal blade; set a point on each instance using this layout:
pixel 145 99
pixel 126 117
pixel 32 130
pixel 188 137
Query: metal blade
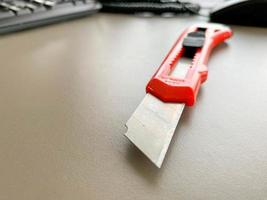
pixel 152 126
pixel 153 123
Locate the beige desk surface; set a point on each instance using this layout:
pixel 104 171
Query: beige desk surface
pixel 67 90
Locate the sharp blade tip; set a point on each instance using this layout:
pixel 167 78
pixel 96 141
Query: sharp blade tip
pixel 157 163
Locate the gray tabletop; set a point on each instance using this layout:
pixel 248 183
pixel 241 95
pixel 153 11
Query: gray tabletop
pixel 67 90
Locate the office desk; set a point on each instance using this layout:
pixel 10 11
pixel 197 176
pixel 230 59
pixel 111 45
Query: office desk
pixel 67 90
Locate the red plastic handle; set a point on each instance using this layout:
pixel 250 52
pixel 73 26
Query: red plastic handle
pixel 170 89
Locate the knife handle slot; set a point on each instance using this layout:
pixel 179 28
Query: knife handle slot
pixel 181 68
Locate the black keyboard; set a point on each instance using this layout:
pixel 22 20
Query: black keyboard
pixel 17 15
pixel 150 6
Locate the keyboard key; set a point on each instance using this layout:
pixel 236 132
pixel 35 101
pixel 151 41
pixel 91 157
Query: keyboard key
pixel 9 6
pixel 5 14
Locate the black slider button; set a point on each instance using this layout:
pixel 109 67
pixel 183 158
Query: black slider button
pixel 194 39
